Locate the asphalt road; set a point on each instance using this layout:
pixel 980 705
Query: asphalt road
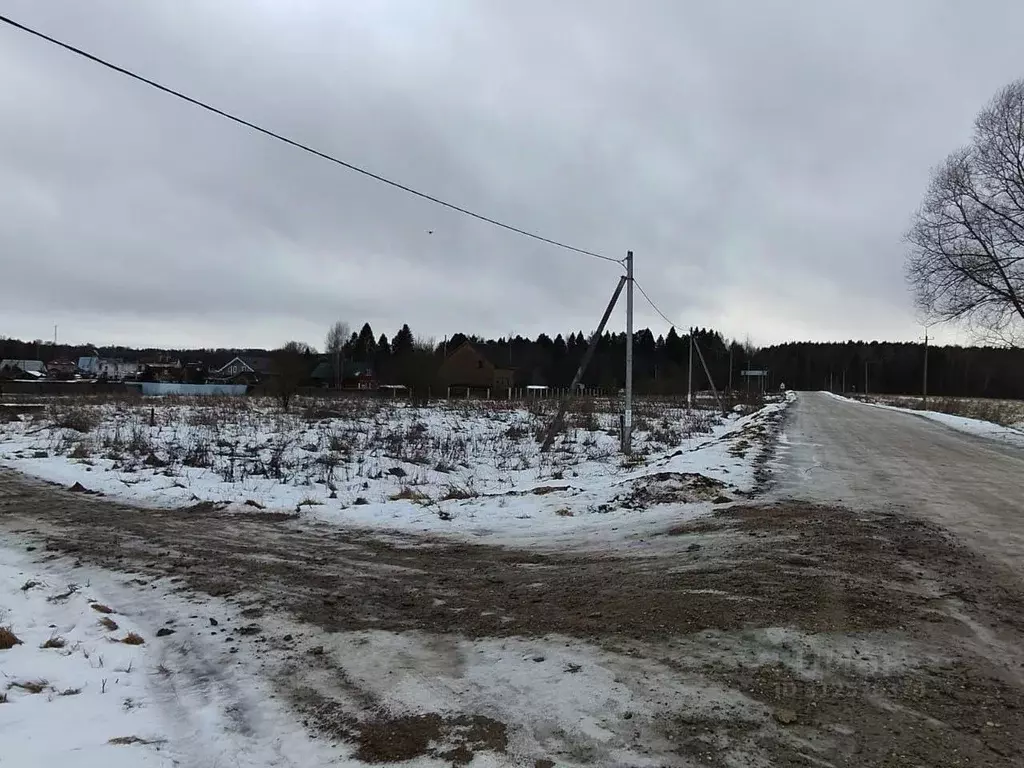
pixel 862 457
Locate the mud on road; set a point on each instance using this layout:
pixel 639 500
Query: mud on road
pixel 843 638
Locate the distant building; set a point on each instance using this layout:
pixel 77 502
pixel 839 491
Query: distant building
pixel 243 370
pixel 160 370
pixel 61 369
pixel 113 368
pixel 354 376
pixel 22 369
pixel 475 368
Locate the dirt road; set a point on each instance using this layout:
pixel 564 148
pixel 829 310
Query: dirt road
pixel 856 632
pixel 868 458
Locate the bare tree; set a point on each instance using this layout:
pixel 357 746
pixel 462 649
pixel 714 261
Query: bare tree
pixel 290 368
pixel 966 261
pixel 334 345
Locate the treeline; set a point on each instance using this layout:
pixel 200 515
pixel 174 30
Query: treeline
pixel 660 362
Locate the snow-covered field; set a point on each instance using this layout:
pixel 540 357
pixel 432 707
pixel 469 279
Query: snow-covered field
pixel 470 467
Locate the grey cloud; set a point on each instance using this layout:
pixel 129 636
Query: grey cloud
pixel 761 159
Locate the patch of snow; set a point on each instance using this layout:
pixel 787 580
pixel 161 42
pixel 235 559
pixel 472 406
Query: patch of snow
pixel 179 700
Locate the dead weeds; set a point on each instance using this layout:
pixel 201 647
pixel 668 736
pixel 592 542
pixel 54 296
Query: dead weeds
pixel 8 639
pixel 29 686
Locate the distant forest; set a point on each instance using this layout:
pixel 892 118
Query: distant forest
pixel 660 361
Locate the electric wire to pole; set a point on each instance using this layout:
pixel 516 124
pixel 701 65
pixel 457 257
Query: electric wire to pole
pixel 693 345
pixel 299 145
pixel 654 306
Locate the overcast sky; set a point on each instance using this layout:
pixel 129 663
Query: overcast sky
pixel 762 160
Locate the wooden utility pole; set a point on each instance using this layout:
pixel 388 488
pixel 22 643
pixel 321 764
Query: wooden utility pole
pixel 627 414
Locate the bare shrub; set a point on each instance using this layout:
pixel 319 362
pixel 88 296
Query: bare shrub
pixel 81 450
pixel 78 418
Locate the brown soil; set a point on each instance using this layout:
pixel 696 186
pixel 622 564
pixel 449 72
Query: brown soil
pixel 821 570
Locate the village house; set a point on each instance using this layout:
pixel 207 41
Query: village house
pixel 354 376
pixel 61 368
pixel 473 369
pixel 22 369
pixel 243 370
pixel 113 368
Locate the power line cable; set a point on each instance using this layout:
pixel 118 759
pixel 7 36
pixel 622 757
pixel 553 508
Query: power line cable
pixel 298 144
pixel 654 306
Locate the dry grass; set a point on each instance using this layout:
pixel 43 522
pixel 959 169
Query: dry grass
pixel 101 608
pixel 72 589
pixel 1004 412
pixel 409 494
pixel 455 493
pixel 30 686
pixel 55 641
pixel 133 638
pixel 109 623
pixel 8 639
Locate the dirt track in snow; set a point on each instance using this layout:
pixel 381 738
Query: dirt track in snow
pixel 848 585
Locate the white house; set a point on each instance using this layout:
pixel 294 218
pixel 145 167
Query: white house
pixel 107 367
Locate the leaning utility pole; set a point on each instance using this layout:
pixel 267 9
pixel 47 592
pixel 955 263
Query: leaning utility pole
pixel 924 388
pixel 711 381
pixel 556 424
pixel 627 415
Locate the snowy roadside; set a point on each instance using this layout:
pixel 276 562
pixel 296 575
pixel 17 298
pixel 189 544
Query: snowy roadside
pixel 976 427
pixel 111 670
pixel 496 482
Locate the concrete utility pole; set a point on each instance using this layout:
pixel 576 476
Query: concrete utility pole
pixel 924 388
pixel 689 375
pixel 627 415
